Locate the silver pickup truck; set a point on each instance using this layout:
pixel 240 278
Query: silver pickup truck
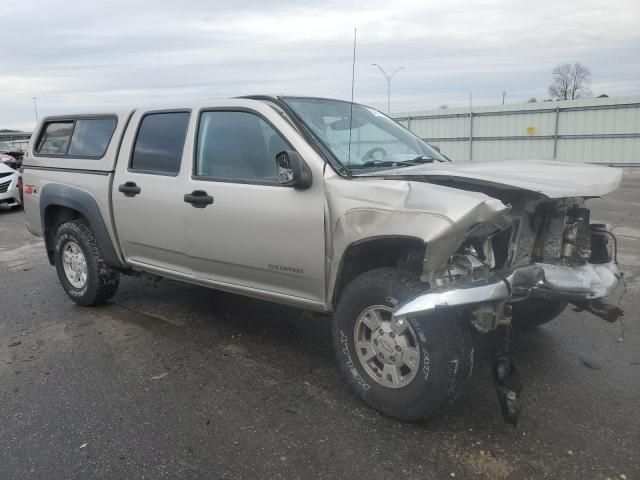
pixel 328 206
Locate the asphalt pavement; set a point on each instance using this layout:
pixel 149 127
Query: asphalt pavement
pixel 170 380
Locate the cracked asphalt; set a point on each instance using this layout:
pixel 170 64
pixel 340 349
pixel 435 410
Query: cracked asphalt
pixel 170 380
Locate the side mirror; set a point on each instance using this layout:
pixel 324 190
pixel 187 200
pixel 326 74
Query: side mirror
pixel 292 170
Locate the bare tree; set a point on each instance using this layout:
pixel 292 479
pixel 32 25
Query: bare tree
pixel 443 107
pixel 570 82
pixel 532 100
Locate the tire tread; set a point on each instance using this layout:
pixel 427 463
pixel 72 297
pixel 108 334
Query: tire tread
pixel 102 279
pixel 454 343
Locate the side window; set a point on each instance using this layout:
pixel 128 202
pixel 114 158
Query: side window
pixel 81 137
pixel 54 139
pixel 237 146
pixel 159 144
pixel 91 136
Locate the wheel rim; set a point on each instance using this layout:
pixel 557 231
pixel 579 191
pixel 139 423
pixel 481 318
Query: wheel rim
pixel 387 348
pixel 74 264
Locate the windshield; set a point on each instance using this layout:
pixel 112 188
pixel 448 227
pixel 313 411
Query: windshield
pixel 376 140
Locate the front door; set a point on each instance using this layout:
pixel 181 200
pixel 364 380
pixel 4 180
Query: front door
pixel 252 233
pixel 148 190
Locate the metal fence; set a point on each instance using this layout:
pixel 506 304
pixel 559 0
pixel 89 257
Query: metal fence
pixel 14 141
pixel 597 130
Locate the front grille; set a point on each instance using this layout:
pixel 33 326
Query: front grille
pixel 4 186
pixel 5 174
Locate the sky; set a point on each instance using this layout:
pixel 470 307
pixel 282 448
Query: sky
pixel 104 54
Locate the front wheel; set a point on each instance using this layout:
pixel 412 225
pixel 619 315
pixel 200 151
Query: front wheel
pixel 408 368
pixel 82 270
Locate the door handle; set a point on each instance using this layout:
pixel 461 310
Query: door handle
pixel 130 189
pixel 198 198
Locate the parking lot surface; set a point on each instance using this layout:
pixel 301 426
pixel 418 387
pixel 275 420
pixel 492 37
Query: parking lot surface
pixel 170 380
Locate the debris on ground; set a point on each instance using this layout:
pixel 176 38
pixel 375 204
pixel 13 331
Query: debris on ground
pixel 233 349
pixel 14 344
pixel 158 377
pixel 590 363
pixel 486 464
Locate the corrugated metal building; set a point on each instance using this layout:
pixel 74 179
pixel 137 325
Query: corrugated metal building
pixel 595 130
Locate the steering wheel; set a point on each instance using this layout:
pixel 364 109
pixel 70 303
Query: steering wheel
pixel 372 152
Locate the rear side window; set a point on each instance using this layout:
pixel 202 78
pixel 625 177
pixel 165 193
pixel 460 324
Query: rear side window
pixel 83 137
pixel 159 143
pixel 91 137
pixel 55 137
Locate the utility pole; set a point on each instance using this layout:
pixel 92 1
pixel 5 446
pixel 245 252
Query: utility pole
pixel 388 78
pixel 35 107
pixel 503 95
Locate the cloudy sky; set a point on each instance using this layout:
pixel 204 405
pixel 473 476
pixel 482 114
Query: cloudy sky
pixel 101 53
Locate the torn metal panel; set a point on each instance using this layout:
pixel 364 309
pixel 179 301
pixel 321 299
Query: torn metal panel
pixel 441 217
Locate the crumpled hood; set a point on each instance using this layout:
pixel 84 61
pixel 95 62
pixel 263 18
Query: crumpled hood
pixel 549 178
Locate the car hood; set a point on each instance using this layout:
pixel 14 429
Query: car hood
pixel 548 178
pixel 6 169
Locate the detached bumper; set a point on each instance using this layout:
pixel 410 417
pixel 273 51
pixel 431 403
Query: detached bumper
pixel 572 284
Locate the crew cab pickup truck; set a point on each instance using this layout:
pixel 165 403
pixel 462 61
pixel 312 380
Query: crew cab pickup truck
pixel 333 207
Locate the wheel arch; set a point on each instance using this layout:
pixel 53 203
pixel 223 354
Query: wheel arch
pixel 406 252
pixel 61 203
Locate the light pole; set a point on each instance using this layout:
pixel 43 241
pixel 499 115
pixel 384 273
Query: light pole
pixel 35 107
pixel 503 95
pixel 388 78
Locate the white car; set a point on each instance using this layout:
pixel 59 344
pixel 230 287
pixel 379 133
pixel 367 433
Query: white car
pixel 9 192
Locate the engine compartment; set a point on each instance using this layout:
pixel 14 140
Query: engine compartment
pixel 549 251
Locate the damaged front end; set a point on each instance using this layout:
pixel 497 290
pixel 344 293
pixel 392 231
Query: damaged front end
pixel 551 251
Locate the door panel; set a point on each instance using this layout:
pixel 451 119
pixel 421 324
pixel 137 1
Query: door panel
pixel 148 190
pixel 256 233
pixel 265 237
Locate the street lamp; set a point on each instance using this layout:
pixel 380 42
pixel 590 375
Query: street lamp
pixel 388 78
pixel 35 107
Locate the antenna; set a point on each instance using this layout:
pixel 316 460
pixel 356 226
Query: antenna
pixel 353 76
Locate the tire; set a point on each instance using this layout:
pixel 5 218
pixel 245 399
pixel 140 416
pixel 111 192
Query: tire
pixel 533 313
pixel 100 280
pixel 443 363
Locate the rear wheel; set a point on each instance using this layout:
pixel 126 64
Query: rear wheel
pixel 81 268
pixel 408 368
pixel 534 312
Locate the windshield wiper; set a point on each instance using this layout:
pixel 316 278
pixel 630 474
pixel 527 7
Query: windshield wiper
pixel 395 163
pixel 380 163
pixel 424 159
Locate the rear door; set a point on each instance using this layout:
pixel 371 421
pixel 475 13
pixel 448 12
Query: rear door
pixel 255 235
pixel 148 190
